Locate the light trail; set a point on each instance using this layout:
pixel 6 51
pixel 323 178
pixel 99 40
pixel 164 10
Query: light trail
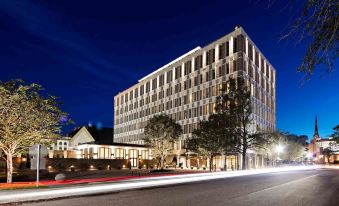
pixel 50 193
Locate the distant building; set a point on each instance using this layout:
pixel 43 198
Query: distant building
pixel 318 148
pixel 187 87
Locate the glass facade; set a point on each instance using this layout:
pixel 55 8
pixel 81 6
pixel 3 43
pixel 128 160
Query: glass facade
pixel 186 89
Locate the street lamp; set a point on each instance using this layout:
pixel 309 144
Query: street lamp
pixel 279 149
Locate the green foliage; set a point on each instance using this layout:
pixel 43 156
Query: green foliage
pixel 27 117
pixel 160 134
pixel 209 139
pixel 335 134
pixel 293 145
pixel 234 104
pixel 318 21
pixel 328 152
pixel 293 151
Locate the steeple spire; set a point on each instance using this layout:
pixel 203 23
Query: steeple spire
pixel 316 132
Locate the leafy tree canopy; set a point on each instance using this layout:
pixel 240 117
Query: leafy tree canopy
pixel 160 135
pixel 26 117
pixel 319 21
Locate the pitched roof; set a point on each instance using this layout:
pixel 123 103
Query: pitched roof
pixel 102 135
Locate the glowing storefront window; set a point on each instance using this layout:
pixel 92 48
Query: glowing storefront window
pixel 120 153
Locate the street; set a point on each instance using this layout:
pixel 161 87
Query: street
pixel 304 187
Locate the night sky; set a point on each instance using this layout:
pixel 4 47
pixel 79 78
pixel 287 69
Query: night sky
pixel 85 52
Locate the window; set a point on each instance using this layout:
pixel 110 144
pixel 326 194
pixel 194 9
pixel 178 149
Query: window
pixel 267 71
pixel 235 45
pixel 144 154
pixel 213 74
pixel 188 68
pixel 198 62
pixel 222 50
pixel 169 76
pixel 240 43
pixel 131 95
pixel 210 57
pixel 168 91
pixel 154 97
pixel 227 49
pixel 177 88
pixel 222 70
pixel 141 90
pixel 256 58
pixel 147 87
pixel 262 65
pixel 178 72
pixel 126 97
pixel 119 153
pixel 161 80
pixel 136 93
pixel 154 84
pixel 101 152
pixel 250 51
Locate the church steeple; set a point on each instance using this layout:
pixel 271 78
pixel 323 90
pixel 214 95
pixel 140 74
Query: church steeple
pixel 316 132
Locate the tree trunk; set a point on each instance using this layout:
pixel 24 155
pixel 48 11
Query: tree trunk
pixel 243 160
pixel 225 162
pixel 211 163
pixel 9 162
pixel 162 163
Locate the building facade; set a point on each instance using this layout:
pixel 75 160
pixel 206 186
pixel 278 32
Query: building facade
pixel 323 150
pixel 94 143
pixel 186 89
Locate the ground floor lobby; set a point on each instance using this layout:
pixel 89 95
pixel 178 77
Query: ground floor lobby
pixel 231 162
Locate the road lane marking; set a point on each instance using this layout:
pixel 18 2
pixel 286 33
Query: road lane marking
pixel 281 185
pixel 31 195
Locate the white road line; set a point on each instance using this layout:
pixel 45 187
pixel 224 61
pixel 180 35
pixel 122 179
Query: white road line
pixel 281 185
pixel 50 193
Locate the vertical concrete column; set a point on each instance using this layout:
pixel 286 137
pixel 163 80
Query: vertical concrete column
pixel 204 59
pixel 231 43
pixel 216 54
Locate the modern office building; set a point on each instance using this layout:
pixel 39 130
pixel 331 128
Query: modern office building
pixel 187 87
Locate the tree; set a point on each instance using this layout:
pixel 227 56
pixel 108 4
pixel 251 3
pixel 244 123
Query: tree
pixel 328 152
pixel 160 135
pixel 235 104
pixel 269 147
pixel 27 117
pixel 293 151
pixel 318 21
pixel 335 134
pixel 208 139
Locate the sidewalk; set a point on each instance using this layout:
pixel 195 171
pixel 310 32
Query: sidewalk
pixel 10 196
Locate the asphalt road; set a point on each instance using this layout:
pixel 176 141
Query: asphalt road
pixel 307 187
